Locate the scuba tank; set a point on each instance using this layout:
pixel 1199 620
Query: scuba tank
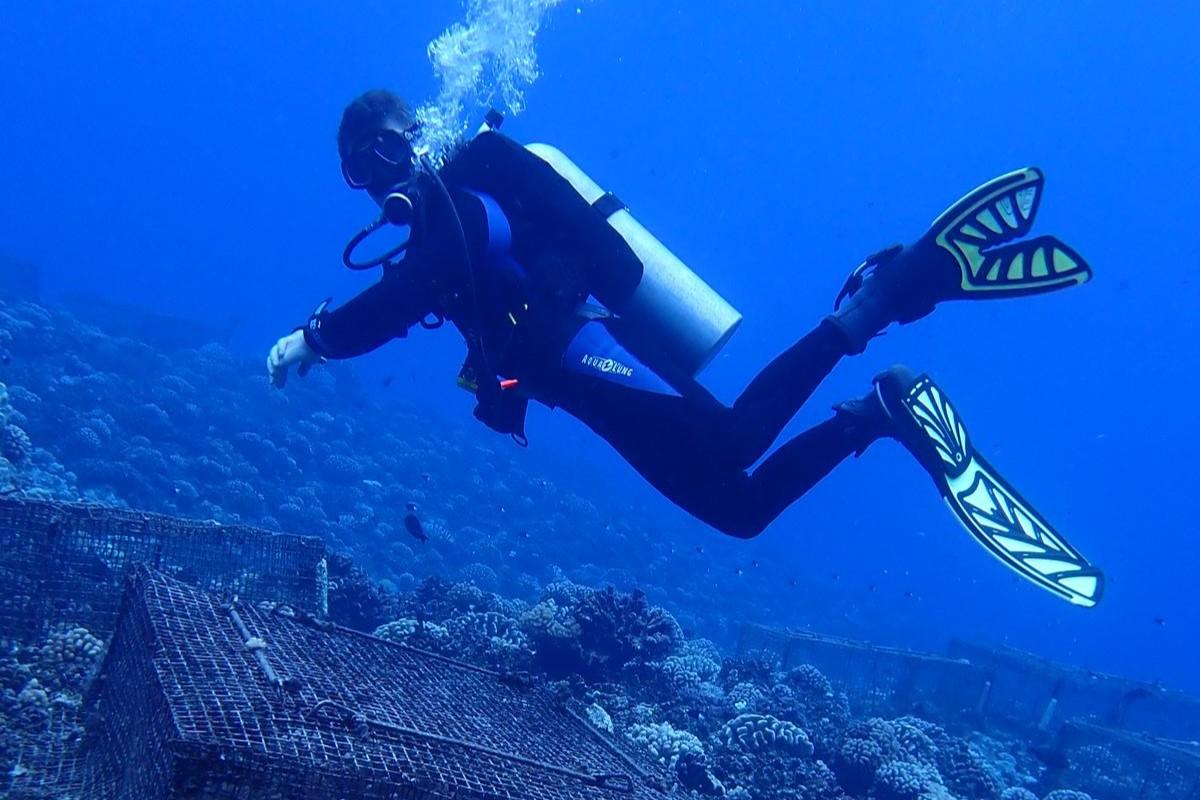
pixel 672 317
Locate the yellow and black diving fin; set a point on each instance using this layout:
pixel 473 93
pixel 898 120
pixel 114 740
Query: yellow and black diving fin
pixel 983 232
pixel 975 250
pixel 992 511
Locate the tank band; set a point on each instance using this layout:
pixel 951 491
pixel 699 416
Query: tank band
pixel 608 204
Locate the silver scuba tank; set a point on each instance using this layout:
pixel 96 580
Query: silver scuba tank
pixel 672 314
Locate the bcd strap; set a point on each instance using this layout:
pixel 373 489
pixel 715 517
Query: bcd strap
pixel 500 410
pixel 503 412
pixel 608 204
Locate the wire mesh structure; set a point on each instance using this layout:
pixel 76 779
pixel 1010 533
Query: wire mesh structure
pixel 1027 690
pixel 1118 765
pixel 64 563
pixel 206 700
pixel 63 567
pixel 877 679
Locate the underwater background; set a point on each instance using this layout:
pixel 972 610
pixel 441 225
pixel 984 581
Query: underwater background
pixel 179 159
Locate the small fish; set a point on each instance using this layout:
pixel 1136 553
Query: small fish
pixel 410 506
pixel 1159 621
pixel 793 582
pixel 909 595
pixel 524 534
pixel 700 549
pixel 873 588
pixel 425 476
pixel 414 528
pixel 754 563
pixel 388 381
pixel 836 576
pixel 739 571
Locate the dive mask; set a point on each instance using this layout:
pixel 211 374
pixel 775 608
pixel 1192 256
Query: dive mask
pixel 388 158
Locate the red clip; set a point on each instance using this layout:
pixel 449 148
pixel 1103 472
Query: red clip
pixel 508 383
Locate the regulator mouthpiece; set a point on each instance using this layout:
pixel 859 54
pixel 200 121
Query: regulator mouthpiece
pixel 397 209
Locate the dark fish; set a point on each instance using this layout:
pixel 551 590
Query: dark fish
pixel 425 476
pixel 739 571
pixel 1052 757
pixel 388 381
pixel 699 548
pixel 94 568
pixel 754 563
pixel 414 527
pixel 1159 621
pixel 9 490
pixel 524 534
pixel 909 595
pixel 792 582
pixel 410 506
pixel 1138 693
pixel 873 587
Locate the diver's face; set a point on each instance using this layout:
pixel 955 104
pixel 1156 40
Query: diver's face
pixel 380 163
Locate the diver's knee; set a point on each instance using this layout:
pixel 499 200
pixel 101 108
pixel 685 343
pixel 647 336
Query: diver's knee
pixel 742 527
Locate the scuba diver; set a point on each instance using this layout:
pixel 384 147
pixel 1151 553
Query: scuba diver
pixel 563 298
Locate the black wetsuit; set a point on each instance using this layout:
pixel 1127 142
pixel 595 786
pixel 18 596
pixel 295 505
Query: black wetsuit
pixel 690 446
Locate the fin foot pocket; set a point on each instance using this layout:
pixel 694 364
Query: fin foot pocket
pixel 980 233
pixel 987 505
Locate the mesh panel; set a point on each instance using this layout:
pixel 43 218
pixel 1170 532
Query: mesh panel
pixel 1030 690
pixel 308 710
pixel 878 680
pixel 64 563
pixel 1117 765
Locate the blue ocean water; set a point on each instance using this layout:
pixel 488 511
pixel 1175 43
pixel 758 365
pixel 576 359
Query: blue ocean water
pixel 181 159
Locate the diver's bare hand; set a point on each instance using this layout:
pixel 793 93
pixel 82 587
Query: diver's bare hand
pixel 288 351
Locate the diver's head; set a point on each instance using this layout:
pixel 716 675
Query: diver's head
pixel 375 144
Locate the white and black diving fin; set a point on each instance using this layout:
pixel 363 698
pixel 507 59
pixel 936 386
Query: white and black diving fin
pixel 987 505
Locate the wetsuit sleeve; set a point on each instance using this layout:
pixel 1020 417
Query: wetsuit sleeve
pixel 372 318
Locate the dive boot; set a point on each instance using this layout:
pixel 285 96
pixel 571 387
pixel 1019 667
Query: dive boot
pixel 974 251
pixel 993 512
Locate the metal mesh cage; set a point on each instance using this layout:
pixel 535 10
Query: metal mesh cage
pixel 206 700
pixel 63 566
pixel 1029 690
pixel 64 563
pixel 1118 765
pixel 878 680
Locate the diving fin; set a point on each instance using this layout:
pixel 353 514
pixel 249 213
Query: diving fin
pixel 974 250
pixel 991 510
pixel 980 230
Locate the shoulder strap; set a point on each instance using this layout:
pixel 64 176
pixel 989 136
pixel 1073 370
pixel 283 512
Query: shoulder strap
pixel 499 231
